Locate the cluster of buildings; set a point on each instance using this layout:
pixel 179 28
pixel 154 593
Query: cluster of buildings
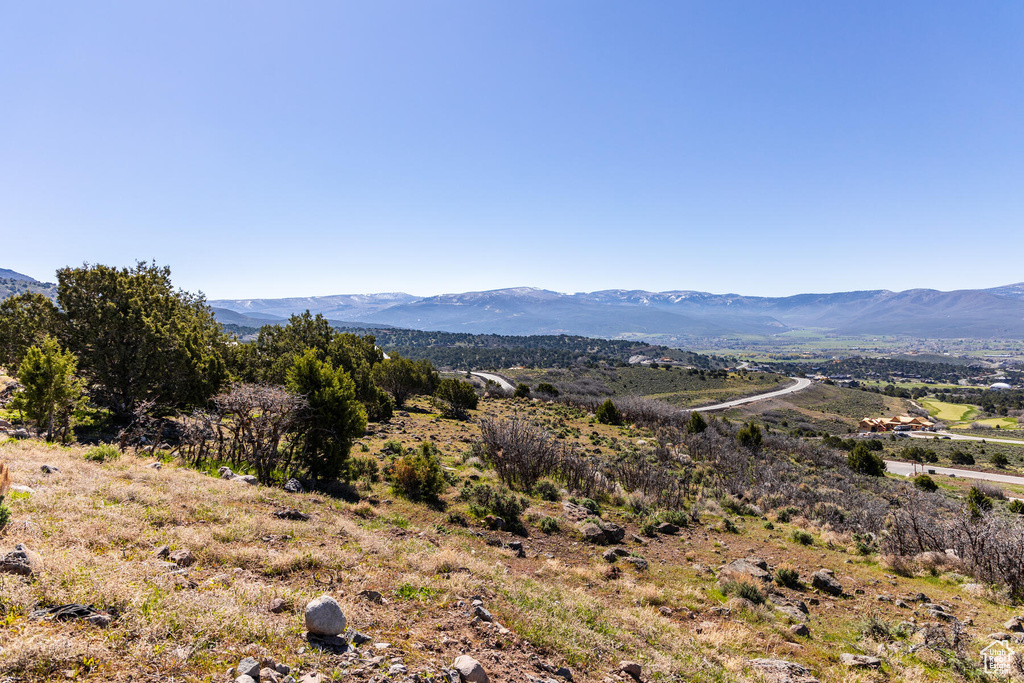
pixel 900 423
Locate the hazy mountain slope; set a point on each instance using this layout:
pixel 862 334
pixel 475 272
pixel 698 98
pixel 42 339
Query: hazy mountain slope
pixel 348 306
pixel 6 274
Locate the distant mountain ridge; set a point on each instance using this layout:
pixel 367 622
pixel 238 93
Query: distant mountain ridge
pixel 980 313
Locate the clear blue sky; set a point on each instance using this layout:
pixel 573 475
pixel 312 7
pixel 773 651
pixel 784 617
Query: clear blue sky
pixel 298 148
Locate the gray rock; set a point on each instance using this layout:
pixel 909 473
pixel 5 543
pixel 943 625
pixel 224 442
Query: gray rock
pixel 782 671
pixel 245 679
pixel 278 605
pixel 162 552
pixel 357 638
pixel 20 561
pixel 324 617
pixel 631 668
pixel 183 557
pixel 1014 625
pixel 156 465
pixel 800 630
pixel 293 486
pixel 576 513
pixel 613 533
pixel 49 469
pixel 826 583
pixel 860 661
pixel 592 533
pixel 667 528
pixel 248 667
pixel 746 568
pixel 610 555
pixel 564 672
pixel 483 615
pixel 470 670
pixel 22 433
pixel 638 562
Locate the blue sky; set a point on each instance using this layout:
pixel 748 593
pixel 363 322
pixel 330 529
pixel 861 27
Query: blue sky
pixel 300 148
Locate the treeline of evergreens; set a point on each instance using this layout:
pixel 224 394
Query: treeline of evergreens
pixel 126 348
pixel 881 368
pixel 464 351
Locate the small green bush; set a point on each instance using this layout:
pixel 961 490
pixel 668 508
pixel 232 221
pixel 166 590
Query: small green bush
pixel 418 475
pixel 501 502
pixel 457 518
pixel 786 514
pixel 784 576
pixel 729 527
pixel 608 414
pixel 769 526
pixel 648 528
pixel 802 537
pixel 925 483
pixel 522 390
pixel 5 514
pixel 744 589
pixel 677 517
pixel 392 448
pixel 1016 507
pixel 102 453
pixel 549 525
pixel 863 461
pixel 547 388
pixel 365 468
pixel 547 490
pixel 587 503
pixel 999 460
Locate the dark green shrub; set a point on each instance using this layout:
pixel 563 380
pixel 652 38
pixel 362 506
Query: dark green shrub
pixel 863 461
pixel 587 503
pixel 744 589
pixel 696 425
pixel 769 526
pixel 648 528
pixel 1016 507
pixel 501 502
pixel 958 457
pixel 547 388
pixel 457 518
pixel 785 576
pixel 729 527
pixel 608 414
pixel 365 468
pixel 522 391
pixel 5 514
pixel 925 483
pixel 978 502
pixel 392 448
pixel 802 537
pixel 549 525
pixel 455 398
pixel 417 476
pixel 749 436
pixel 787 513
pixel 999 460
pixel 547 490
pixel 677 517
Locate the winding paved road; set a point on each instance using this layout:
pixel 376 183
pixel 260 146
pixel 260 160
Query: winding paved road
pixel 906 469
pixel 963 437
pixel 497 379
pixel 801 384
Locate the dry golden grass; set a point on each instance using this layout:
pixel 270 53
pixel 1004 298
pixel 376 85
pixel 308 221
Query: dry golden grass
pixel 96 526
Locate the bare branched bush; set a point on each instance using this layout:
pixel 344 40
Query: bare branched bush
pixel 520 452
pixel 258 417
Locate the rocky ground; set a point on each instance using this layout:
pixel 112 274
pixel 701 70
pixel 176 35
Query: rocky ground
pixel 133 571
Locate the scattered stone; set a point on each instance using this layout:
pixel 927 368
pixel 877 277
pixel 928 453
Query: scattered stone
pixel 356 638
pixel 293 514
pixel 610 555
pixel 564 672
pixel 517 547
pixel 901 604
pixel 824 581
pixel 324 617
pixel 293 486
pixel 883 598
pixel 638 562
pixel 665 611
pixel 736 604
pixel 631 668
pixel 49 469
pixel 20 561
pixel 1014 625
pixel 744 570
pixel 613 533
pixel 800 630
pixel 495 523
pixel 592 533
pixel 470 670
pixel 999 635
pixel 918 597
pixel 248 667
pixel 311 678
pixel 482 614
pixel 278 605
pixel 22 433
pixel 18 488
pixel 156 465
pixel 182 558
pixel 860 661
pixel 576 513
pixel 782 671
pixel 74 611
pixel 245 679
pixel 373 596
pixel 667 528
pixel 162 552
